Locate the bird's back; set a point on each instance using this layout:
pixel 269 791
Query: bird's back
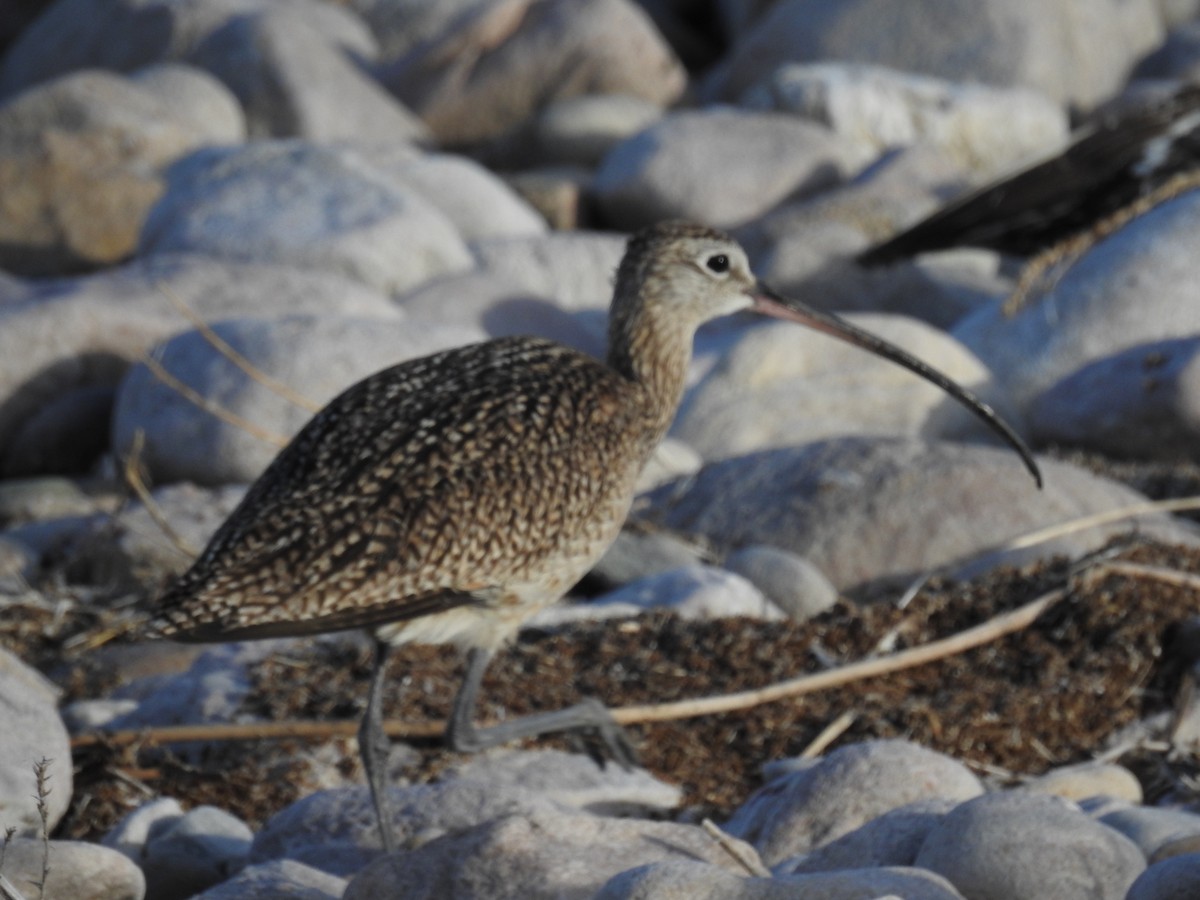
pixel 429 485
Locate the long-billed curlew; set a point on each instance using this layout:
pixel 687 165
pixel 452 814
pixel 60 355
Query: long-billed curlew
pixel 447 499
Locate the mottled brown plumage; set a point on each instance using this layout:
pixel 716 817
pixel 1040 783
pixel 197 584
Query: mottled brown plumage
pixel 449 498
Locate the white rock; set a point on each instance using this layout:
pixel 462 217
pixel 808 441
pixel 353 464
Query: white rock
pixel 129 836
pixel 680 880
pixel 635 555
pixel 545 853
pixel 196 98
pixel 315 356
pixel 76 870
pixel 32 732
pixel 1090 779
pixel 722 166
pixel 581 130
pixel 791 582
pixel 867 508
pixel 836 795
pixel 1141 403
pixel 1131 288
pixel 318 207
pixel 282 878
pixel 1076 51
pixel 988 129
pixel 1019 844
pixel 780 386
pixel 693 592
pixel 202 848
pixel 294 80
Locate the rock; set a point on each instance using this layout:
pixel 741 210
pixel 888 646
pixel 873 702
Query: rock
pixel 571 780
pixel 32 732
pixel 293 80
pixel 748 400
pixel 892 839
pixel 634 555
pixel 315 356
pixel 1141 403
pixel 193 852
pixel 503 61
pixel 80 167
pixel 1090 779
pixel 791 582
pixel 336 830
pixel 18 565
pixel 1019 844
pixel 77 870
pixel 687 880
pixel 1077 52
pixel 129 836
pixel 82 716
pixel 1151 828
pixel 831 797
pixel 720 166
pixel 581 130
pixel 523 856
pixel 1178 59
pixel 281 878
pixel 1128 289
pixel 862 509
pixel 130 548
pixel 988 130
pixel 399 27
pixel 30 499
pixel 81 333
pixel 557 193
pixel 693 592
pixel 479 204
pixel 313 206
pixel 123 35
pixel 1177 878
pixel 196 97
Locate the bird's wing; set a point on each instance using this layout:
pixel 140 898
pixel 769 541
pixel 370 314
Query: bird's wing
pixel 420 488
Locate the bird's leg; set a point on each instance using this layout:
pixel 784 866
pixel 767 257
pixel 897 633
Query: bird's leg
pixel 589 715
pixel 375 747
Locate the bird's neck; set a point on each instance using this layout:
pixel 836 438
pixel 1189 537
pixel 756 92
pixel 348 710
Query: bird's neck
pixel 653 355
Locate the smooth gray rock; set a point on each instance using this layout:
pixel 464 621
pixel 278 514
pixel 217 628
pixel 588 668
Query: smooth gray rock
pixel 1131 288
pixel 1020 844
pixel 1152 828
pixel 680 880
pixel 81 333
pixel 692 592
pixel 129 836
pixel 544 853
pixel 1177 878
pixel 1076 51
pixel 81 161
pixel 77 870
pixel 988 129
pixel 791 582
pixel 892 839
pixel 634 555
pixel 581 130
pixel 281 879
pixel 31 499
pixel 723 166
pixel 833 796
pixel 123 35
pixel 293 80
pixel 184 856
pixel 68 435
pixel 398 27
pixel 313 206
pixel 502 62
pixel 32 732
pixel 862 509
pixel 1141 403
pixel 315 356
pixel 781 386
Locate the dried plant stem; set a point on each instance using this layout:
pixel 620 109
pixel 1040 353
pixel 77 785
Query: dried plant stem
pixel 751 863
pixel 133 478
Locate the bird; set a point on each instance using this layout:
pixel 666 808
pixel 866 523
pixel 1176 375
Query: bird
pixel 1128 153
pixel 447 499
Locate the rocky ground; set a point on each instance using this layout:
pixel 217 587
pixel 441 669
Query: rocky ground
pixel 215 216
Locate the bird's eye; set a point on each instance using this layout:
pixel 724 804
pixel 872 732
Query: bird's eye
pixel 718 263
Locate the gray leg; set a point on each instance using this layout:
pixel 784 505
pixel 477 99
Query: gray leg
pixel 375 748
pixel 590 715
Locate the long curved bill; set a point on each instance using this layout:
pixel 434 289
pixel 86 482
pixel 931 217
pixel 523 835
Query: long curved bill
pixel 770 303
